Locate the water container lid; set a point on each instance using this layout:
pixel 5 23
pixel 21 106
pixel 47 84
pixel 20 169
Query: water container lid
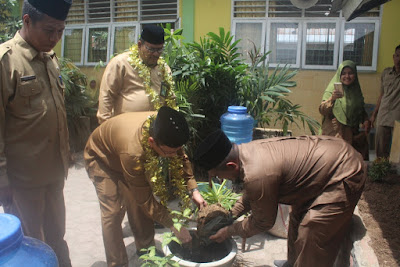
pixel 237 109
pixel 10 232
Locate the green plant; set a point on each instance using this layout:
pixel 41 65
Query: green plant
pixel 150 258
pixel 265 93
pixel 10 21
pixel 220 194
pixel 379 169
pixel 77 101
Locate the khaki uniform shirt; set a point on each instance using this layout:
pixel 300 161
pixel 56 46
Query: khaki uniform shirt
pixel 300 171
pixel 34 137
pixel 122 89
pixel 389 109
pixel 114 150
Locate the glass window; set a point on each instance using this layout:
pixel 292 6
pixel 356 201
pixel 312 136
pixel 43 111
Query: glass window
pixel 73 44
pixel 358 43
pixel 124 37
pixel 250 35
pixel 283 43
pixel 97 49
pixel 108 27
pixel 320 44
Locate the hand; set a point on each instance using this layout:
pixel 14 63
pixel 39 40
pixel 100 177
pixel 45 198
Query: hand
pixel 221 235
pixel 5 196
pixel 367 126
pixel 336 94
pixel 372 120
pixel 183 235
pixel 199 200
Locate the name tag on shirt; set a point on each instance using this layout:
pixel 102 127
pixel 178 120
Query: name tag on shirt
pixel 28 78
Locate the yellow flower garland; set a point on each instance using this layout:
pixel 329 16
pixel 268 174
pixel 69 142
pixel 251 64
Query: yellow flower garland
pixel 144 73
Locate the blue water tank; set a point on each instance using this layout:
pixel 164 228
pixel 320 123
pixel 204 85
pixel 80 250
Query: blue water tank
pixel 18 250
pixel 237 124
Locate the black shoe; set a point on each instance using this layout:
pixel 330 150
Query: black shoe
pixel 281 263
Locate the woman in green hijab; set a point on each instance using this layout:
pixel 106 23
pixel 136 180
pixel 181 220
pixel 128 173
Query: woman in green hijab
pixel 343 111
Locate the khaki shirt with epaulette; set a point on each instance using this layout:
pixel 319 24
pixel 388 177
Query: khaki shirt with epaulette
pixel 34 137
pixel 114 150
pixel 389 109
pixel 123 90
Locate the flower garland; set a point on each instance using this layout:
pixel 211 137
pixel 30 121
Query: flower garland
pixel 144 73
pixel 156 167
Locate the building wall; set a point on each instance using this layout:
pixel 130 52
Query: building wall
pixel 208 15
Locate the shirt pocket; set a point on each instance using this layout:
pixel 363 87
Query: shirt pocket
pixel 30 94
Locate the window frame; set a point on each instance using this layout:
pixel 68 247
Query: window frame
pixel 252 21
pixel 340 22
pixel 75 27
pixel 336 45
pixel 299 41
pixel 375 42
pixel 86 26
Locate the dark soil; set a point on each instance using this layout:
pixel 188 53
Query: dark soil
pixel 209 220
pixel 380 210
pixel 199 253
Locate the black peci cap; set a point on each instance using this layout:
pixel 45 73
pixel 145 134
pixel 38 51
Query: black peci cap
pixel 213 150
pixel 57 9
pixel 170 127
pixel 153 34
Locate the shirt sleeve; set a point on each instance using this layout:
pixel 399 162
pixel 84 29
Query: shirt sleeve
pixel 110 86
pixel 325 108
pixel 261 196
pixel 140 188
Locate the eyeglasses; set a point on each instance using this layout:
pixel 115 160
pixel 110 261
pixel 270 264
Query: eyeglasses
pixel 154 50
pixel 168 153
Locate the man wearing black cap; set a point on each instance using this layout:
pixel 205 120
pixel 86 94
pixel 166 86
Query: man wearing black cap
pixel 33 127
pixel 136 80
pixel 321 177
pixel 122 157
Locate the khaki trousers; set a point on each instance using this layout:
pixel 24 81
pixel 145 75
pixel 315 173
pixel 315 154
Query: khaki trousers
pixel 113 195
pixel 42 214
pixel 316 234
pixel 383 140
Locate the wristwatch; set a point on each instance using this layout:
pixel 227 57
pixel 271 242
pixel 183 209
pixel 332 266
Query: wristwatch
pixel 191 191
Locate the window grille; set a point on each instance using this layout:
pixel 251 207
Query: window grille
pixel 76 13
pixel 99 11
pixel 249 9
pixel 158 9
pixel 283 8
pixel 125 10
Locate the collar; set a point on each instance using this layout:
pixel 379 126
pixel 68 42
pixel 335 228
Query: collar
pixel 28 51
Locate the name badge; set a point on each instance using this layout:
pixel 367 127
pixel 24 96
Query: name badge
pixel 28 78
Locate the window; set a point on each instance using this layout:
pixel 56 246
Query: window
pixel 312 38
pixel 98 29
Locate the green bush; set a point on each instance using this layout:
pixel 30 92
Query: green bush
pixel 379 169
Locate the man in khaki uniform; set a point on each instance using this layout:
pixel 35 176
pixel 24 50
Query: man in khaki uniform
pixel 131 78
pixel 321 177
pixel 116 158
pixel 34 138
pixel 387 108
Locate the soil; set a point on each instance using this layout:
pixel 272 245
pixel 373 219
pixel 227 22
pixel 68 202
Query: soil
pixel 209 220
pixel 199 253
pixel 380 210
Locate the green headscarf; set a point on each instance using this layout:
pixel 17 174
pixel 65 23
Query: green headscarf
pixel 348 110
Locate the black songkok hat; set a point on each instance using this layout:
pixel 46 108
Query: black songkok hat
pixel 57 9
pixel 153 34
pixel 170 128
pixel 213 150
